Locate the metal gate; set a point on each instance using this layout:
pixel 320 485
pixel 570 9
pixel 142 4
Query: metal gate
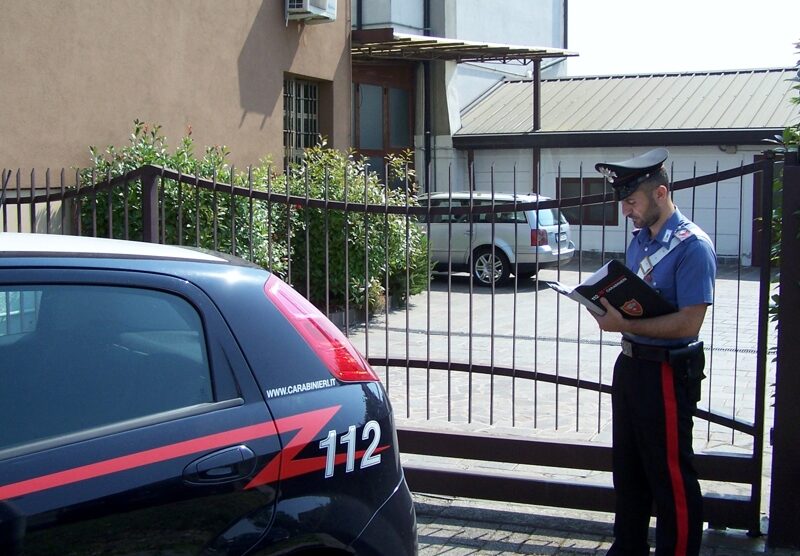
pixel 502 392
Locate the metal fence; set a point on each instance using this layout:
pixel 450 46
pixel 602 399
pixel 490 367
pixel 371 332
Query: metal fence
pixel 500 392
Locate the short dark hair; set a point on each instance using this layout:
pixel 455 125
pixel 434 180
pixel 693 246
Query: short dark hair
pixel 659 177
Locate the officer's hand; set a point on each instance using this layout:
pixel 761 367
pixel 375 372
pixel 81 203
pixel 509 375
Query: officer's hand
pixel 612 321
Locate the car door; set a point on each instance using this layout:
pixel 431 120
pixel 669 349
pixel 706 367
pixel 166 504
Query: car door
pixel 130 421
pixel 450 233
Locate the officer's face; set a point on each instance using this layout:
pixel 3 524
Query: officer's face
pixel 641 207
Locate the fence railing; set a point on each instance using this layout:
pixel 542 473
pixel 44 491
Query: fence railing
pixel 501 392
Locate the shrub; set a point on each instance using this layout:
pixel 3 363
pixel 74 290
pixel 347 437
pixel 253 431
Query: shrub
pixel 189 213
pixel 786 143
pixel 367 252
pixel 284 238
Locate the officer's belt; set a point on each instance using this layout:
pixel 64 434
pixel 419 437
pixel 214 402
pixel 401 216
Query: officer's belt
pixel 648 353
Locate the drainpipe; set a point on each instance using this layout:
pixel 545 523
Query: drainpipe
pixel 426 85
pixel 360 14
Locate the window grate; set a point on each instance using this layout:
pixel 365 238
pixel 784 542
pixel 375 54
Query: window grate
pixel 300 118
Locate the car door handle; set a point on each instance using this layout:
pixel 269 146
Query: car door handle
pixel 223 466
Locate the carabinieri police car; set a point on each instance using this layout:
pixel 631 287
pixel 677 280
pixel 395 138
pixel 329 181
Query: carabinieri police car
pixel 163 400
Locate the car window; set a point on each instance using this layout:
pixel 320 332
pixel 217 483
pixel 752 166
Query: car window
pixel 445 218
pixel 75 357
pixel 500 217
pixel 511 217
pixel 550 217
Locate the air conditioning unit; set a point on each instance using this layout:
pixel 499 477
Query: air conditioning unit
pixel 311 11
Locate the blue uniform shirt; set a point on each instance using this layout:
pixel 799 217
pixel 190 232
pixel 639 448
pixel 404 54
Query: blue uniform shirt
pixel 685 276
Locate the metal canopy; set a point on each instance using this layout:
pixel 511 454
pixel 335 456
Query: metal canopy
pixel 385 44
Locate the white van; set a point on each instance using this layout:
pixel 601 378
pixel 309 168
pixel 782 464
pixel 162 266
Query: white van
pixel 518 242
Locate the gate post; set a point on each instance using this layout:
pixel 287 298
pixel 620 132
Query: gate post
pixel 149 204
pixel 784 504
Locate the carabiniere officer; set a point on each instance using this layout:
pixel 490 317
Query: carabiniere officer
pixel 656 384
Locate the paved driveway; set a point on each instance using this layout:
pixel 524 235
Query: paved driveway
pixel 530 327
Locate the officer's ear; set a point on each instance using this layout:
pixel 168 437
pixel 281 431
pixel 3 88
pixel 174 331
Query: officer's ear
pixel 661 192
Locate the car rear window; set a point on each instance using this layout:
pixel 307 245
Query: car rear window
pixel 76 357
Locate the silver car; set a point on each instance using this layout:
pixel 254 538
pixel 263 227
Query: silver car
pixel 515 242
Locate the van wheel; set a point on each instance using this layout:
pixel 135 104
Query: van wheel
pixel 486 269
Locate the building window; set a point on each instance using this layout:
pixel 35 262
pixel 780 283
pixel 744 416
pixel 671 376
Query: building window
pixel 300 118
pixel 605 214
pixel 383 112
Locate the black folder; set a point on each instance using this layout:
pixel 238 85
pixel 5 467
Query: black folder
pixel 629 294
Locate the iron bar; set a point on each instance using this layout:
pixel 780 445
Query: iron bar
pixel 179 193
pixel 94 202
pixel 19 199
pixel 32 206
pixel 367 288
pixel 233 212
pixel 307 235
pixel 47 203
pixel 407 293
pixel 215 210
pixel 346 259
pixel 785 489
pixel 492 217
pixel 762 347
pixel 514 303
pixel 5 177
pixel 449 301
pixel 389 292
pixel 162 217
pixel 250 215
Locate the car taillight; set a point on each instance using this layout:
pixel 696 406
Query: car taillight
pixel 327 341
pixel 538 237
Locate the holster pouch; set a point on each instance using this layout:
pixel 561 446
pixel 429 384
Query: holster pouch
pixel 688 364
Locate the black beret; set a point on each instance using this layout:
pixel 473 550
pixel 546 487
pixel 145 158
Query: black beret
pixel 626 176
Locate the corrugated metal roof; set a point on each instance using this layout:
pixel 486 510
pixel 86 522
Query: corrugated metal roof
pixel 734 99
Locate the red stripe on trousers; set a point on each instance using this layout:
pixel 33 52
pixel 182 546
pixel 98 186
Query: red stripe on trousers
pixel 673 460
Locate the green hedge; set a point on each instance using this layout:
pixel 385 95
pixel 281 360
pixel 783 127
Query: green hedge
pixel 384 248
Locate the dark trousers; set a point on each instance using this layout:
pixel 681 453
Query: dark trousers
pixel 652 458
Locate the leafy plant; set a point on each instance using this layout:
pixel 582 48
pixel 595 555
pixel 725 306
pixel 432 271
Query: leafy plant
pixel 364 253
pixel 209 219
pixel 786 143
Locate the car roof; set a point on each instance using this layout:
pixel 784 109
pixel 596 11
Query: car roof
pixel 498 196
pixel 14 244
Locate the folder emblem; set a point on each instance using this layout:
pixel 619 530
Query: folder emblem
pixel 632 308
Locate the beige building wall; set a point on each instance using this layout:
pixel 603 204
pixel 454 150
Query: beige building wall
pixel 75 73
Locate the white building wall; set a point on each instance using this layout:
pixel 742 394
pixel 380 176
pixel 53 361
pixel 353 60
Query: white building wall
pixel 522 22
pixel 723 210
pixel 517 22
pixel 405 16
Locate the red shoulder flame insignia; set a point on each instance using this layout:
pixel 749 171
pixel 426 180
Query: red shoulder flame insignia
pixel 632 308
